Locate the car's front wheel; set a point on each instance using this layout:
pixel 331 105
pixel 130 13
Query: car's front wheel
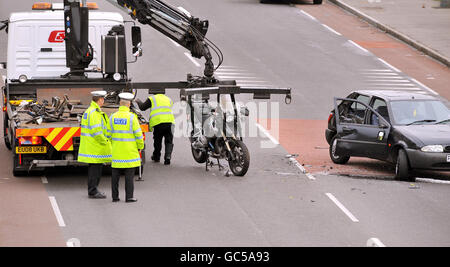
pixel 334 157
pixel 402 168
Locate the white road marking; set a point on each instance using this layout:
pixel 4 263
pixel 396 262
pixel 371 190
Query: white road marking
pixel 44 180
pixel 374 242
pixel 424 86
pixel 390 81
pixel 376 70
pixel 396 88
pixel 394 84
pixel 382 74
pixel 175 43
pixel 73 242
pixel 433 181
pixel 58 215
pixel 233 73
pixel 389 65
pixel 344 209
pixel 302 169
pixel 358 46
pixel 386 77
pixel 192 59
pixel 308 15
pixel 331 30
pixel 236 77
pixel 275 141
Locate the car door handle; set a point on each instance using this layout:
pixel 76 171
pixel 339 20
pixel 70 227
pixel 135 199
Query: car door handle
pixel 348 130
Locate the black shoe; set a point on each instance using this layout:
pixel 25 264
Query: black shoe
pixel 155 159
pixel 131 200
pixel 99 195
pixel 116 200
pixel 167 162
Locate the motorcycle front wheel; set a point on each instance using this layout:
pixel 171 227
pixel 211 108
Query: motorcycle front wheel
pixel 239 166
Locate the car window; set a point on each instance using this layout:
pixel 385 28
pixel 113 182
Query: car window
pixel 419 111
pixel 351 112
pixel 379 106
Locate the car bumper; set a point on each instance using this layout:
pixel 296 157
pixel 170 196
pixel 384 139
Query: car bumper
pixel 427 160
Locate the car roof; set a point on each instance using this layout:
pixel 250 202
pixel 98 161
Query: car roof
pixel 392 95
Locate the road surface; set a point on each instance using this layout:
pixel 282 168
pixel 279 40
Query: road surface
pixel 321 52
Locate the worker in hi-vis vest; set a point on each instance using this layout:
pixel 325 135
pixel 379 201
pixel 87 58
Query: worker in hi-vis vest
pixel 127 140
pixel 161 123
pixel 95 146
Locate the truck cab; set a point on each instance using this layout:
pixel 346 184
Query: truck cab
pixel 37 52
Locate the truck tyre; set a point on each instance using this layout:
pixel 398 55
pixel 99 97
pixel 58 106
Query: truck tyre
pixel 317 2
pixel 402 168
pixel 335 158
pixel 5 132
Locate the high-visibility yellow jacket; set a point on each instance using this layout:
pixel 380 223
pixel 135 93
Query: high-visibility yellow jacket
pixel 126 138
pixel 161 111
pixel 95 146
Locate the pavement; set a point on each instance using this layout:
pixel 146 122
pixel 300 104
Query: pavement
pixel 319 51
pixel 421 21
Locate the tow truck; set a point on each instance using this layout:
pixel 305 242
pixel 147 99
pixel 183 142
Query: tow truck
pixel 60 52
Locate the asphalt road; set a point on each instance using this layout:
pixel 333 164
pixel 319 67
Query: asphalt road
pixel 274 204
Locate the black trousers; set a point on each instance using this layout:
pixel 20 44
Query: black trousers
pixel 129 182
pixel 94 175
pixel 160 131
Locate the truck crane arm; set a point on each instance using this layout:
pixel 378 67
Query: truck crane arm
pixel 178 25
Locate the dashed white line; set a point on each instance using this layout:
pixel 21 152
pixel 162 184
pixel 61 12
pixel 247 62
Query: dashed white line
pixel 44 180
pixel 275 141
pixel 331 30
pixel 374 242
pixel 358 46
pixel 192 59
pixel 302 169
pixel 344 209
pixel 389 65
pixel 58 215
pixel 433 181
pixel 308 15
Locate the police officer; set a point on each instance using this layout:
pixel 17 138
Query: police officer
pixel 161 123
pixel 95 146
pixel 127 141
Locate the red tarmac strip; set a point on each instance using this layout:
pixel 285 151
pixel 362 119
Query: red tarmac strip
pixel 307 139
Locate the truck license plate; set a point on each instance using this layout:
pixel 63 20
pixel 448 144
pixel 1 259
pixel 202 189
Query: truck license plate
pixel 448 158
pixel 31 149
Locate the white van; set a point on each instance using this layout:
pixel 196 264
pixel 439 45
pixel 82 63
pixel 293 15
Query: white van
pixel 36 42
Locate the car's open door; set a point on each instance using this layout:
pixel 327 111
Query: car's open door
pixel 360 137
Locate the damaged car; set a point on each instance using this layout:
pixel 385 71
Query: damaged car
pixel 408 129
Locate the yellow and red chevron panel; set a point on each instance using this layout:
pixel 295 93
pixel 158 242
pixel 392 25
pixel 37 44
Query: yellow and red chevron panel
pixel 60 138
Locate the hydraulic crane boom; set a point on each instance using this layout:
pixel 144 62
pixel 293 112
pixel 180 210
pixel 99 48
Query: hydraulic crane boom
pixel 178 25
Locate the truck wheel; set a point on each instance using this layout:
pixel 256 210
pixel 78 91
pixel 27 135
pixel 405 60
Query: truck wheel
pixel 402 169
pixel 5 133
pixel 317 2
pixel 335 158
